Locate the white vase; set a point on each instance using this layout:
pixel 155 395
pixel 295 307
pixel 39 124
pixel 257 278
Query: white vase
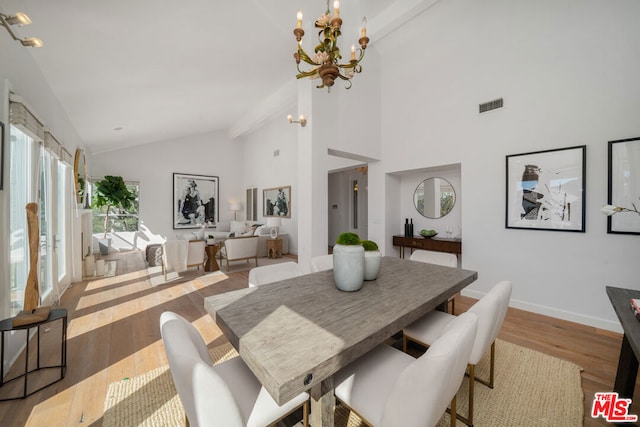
pixel 348 267
pixel 100 267
pixel 89 266
pixel 372 261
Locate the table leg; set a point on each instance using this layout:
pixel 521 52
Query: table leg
pixel 323 404
pixel 627 370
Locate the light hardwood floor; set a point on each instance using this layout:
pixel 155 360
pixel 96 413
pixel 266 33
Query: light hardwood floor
pixel 113 334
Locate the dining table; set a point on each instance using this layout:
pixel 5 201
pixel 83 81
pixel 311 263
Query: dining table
pixel 296 333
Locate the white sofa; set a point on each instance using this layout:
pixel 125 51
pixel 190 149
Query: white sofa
pixel 226 230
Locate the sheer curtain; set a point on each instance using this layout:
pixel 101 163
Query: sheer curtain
pixel 26 133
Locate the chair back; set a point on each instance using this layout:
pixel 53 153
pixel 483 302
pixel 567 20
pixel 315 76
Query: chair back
pixel 321 263
pixel 273 273
pixel 432 257
pixel 491 311
pixel 195 254
pixel 205 396
pixel 424 389
pixel 241 247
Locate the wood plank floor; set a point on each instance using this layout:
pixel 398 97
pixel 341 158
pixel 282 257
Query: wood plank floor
pixel 113 334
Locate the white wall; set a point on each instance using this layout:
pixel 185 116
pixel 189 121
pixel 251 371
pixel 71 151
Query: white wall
pixel 263 168
pixel 568 73
pixel 153 166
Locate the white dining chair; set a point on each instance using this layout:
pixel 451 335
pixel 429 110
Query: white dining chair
pixel 321 263
pixel 491 311
pixel 440 258
pixel 273 273
pixel 226 394
pixel 388 388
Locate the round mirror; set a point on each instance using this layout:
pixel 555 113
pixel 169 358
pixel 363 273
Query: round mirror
pixel 434 197
pixel 80 176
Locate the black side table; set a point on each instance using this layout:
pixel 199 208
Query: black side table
pixel 6 326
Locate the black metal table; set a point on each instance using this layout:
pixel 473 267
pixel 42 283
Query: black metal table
pixel 6 326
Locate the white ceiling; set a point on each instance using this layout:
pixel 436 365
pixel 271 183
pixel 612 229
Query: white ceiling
pixel 159 70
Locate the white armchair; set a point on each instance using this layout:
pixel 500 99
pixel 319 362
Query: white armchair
pixel 240 248
pixel 179 255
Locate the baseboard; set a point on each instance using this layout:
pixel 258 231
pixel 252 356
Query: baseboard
pixel 595 322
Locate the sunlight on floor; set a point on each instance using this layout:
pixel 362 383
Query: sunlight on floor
pixel 130 307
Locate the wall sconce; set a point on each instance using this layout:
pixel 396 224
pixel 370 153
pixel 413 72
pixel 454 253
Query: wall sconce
pixel 19 19
pixel 302 120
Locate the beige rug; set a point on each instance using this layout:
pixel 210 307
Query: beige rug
pixel 531 388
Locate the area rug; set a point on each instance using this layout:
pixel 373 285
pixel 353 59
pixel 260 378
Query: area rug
pixel 531 388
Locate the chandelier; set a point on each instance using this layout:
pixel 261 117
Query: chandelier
pixel 325 62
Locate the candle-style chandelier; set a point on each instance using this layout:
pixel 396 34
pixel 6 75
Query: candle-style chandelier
pixel 325 60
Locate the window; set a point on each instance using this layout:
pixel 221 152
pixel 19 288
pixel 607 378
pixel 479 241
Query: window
pixel 119 219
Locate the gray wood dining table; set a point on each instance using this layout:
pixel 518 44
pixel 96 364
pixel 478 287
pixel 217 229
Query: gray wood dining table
pixel 296 333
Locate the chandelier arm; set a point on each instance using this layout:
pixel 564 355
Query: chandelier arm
pixel 305 57
pixel 304 74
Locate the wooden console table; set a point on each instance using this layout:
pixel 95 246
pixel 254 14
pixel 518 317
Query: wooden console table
pixel 437 244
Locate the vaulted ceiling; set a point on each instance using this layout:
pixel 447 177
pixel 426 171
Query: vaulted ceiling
pixel 132 72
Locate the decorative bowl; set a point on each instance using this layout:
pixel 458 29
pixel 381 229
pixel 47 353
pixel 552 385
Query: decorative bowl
pixel 427 234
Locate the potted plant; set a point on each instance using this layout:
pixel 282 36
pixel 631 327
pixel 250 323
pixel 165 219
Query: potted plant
pixel 372 259
pixel 111 192
pixel 348 262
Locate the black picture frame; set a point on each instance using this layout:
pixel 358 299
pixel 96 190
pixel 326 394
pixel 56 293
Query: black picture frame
pixel 623 187
pixel 203 203
pixel 276 202
pixel 1 156
pixel 546 190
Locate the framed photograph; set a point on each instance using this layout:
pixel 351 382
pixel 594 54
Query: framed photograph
pixel 277 202
pixel 195 200
pixel 1 156
pixel 624 186
pixel 546 190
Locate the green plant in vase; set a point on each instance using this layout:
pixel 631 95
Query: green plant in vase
pixel 372 260
pixel 348 262
pixel 111 192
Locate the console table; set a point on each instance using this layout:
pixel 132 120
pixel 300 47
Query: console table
pixel 437 244
pixel 6 326
pixel 630 351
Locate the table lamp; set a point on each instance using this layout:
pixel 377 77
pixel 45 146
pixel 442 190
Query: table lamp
pixel 235 207
pixel 274 222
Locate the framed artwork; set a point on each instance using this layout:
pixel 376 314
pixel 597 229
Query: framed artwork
pixel 1 156
pixel 546 190
pixel 195 200
pixel 624 186
pixel 277 202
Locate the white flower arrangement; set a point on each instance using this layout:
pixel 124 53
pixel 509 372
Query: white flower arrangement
pixel 612 210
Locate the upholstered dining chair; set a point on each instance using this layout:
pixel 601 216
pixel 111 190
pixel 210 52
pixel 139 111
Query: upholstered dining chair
pixel 321 263
pixel 387 387
pixel 240 248
pixel 440 258
pixel 272 273
pixel 491 311
pixel 226 394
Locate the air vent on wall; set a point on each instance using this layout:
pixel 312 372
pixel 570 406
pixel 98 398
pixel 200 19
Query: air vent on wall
pixel 491 105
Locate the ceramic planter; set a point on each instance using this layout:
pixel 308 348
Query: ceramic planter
pixel 104 245
pixel 348 267
pixel 372 261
